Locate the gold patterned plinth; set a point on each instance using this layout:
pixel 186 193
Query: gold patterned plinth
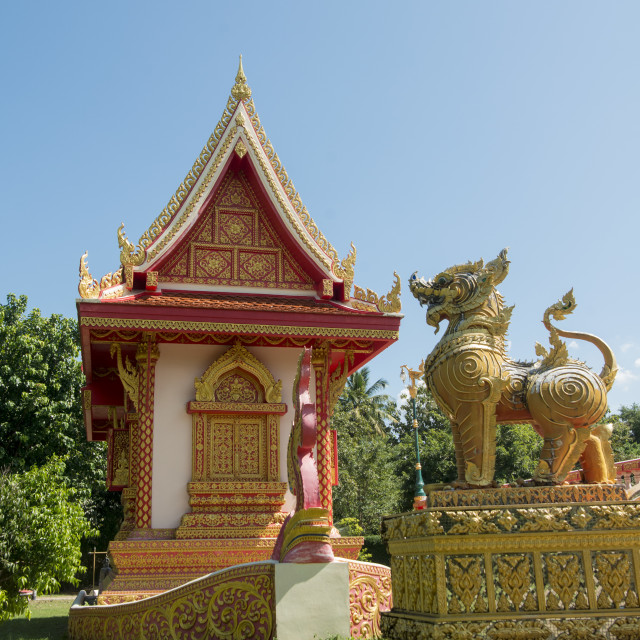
pixel 544 569
pixel 157 563
pixel 233 510
pixel 239 602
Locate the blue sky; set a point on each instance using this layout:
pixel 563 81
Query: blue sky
pixel 428 133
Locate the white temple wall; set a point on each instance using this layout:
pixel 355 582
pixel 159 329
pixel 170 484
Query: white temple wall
pixel 176 370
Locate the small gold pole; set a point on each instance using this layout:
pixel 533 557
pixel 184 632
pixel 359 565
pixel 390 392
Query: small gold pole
pixel 419 496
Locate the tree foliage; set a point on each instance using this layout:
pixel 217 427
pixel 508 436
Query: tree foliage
pixel 40 532
pixel 40 380
pixel 41 411
pixel 368 487
pixel 367 408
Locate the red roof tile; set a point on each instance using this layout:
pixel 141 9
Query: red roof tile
pixel 280 304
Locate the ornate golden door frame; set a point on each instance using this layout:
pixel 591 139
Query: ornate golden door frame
pixel 236 450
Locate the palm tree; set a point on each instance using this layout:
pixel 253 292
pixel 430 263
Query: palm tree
pixel 364 403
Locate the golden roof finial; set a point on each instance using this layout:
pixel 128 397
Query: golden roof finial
pixel 240 90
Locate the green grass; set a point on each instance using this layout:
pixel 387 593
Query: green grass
pixel 48 622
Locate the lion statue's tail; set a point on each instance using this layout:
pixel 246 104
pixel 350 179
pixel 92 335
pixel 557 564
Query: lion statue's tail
pixel 559 311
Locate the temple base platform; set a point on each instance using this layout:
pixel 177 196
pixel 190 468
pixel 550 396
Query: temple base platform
pixel 153 560
pixel 259 601
pixel 522 563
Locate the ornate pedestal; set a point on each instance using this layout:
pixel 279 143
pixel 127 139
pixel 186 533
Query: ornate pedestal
pixel 531 562
pixel 160 561
pixel 233 510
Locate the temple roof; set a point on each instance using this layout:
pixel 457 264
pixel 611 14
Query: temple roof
pixel 236 224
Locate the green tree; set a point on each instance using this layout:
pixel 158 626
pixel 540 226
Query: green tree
pixel 517 452
pixel 368 487
pixel 40 532
pixel 41 411
pixel 631 417
pixel 626 424
pixel 364 404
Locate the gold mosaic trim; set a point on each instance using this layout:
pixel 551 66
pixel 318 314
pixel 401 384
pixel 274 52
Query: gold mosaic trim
pixel 163 220
pixel 549 626
pixel 587 517
pixel 295 221
pixel 234 327
pixel 196 198
pixel 287 185
pixel 238 602
pixel 386 304
pixel 526 495
pixel 236 407
pixel 89 287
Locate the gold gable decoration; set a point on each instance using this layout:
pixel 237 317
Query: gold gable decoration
pixel 135 255
pixel 387 304
pixel 88 287
pixel 240 92
pixel 233 243
pixel 237 359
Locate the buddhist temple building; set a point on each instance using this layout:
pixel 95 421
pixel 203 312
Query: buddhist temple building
pixel 190 350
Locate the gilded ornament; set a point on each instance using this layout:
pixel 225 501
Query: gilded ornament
pixel 237 328
pixel 320 247
pixel 514 575
pixel 240 90
pixel 128 374
pixel 88 288
pixel 565 577
pixel 507 520
pixel 162 222
pixel 369 595
pixel 473 522
pixel 238 359
pixel 518 630
pixel 130 255
pixel 346 271
pixel 617 516
pixel 287 185
pixel 580 519
pixel 240 149
pixel 478 386
pixel 152 279
pixel 168 213
pixel 465 581
pixel 580 629
pixel 237 603
pixel 613 571
pixel 389 304
pixel 423 523
pixel 338 380
pixel 545 519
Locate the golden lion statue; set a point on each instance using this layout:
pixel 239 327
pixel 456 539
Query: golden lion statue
pixel 476 384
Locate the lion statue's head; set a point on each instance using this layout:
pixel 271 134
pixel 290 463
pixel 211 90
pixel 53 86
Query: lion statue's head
pixel 459 288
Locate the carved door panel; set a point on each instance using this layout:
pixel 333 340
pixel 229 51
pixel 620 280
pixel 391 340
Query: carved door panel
pixel 238 448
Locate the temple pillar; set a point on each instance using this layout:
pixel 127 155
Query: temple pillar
pixel 146 356
pixel 320 362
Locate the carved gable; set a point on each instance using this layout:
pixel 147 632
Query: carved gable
pixel 234 244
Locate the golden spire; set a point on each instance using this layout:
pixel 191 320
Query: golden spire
pixel 240 90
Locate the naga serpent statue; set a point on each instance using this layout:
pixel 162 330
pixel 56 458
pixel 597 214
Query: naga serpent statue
pixel 475 383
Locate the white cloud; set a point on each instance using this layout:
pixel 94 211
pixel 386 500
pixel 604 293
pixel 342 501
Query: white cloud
pixel 625 377
pixel 573 345
pixel 637 362
pixel 626 346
